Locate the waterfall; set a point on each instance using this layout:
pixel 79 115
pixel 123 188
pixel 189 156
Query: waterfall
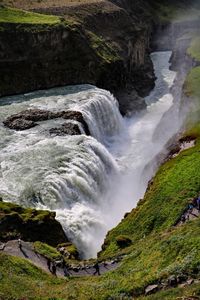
pixel 90 181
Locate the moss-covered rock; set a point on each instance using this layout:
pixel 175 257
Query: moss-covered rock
pixel 123 241
pixel 29 225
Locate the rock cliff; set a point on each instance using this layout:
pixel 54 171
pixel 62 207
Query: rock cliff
pixel 102 43
pixel 29 225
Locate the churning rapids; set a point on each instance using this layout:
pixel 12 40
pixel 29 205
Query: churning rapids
pixel 91 182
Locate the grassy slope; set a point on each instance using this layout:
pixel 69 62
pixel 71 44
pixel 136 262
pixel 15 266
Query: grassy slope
pixel 12 15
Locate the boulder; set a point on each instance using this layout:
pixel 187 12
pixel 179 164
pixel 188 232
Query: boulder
pixel 150 289
pixel 20 124
pixel 65 129
pixel 29 225
pixel 76 116
pixel 27 118
pixel 172 281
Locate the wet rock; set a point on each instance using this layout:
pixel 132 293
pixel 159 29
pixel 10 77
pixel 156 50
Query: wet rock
pixel 130 102
pixel 27 118
pixel 19 124
pixel 65 129
pixel 150 289
pixel 76 116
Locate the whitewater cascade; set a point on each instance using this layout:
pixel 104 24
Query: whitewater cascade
pixel 89 181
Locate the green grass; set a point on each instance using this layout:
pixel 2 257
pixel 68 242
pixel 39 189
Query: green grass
pixel 19 279
pixel 192 83
pixel 12 15
pixel 194 49
pixel 47 251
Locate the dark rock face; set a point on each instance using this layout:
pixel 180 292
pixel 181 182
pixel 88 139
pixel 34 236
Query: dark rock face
pixel 129 102
pixel 76 116
pixel 67 128
pixel 109 48
pixel 19 124
pixel 172 281
pixel 29 225
pixel 27 118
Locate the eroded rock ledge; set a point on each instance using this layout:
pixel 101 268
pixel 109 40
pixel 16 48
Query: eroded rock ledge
pixel 30 225
pixel 27 119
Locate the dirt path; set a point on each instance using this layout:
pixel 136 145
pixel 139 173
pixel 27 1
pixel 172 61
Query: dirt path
pixel 27 252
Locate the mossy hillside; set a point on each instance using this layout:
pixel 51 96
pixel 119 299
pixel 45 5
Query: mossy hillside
pixel 22 280
pixel 13 15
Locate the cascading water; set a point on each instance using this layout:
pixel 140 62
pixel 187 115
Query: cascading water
pixel 89 181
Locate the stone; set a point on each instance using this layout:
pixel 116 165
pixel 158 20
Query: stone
pixel 29 225
pixel 20 124
pixel 66 129
pixel 181 278
pixel 172 281
pixel 150 289
pixel 27 118
pixel 190 281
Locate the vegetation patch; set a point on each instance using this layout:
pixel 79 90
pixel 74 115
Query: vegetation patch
pixel 47 250
pixel 12 15
pixel 194 49
pixel 192 83
pixel 103 48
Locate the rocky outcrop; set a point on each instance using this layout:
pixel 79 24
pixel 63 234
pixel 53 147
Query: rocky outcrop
pixel 106 44
pixel 30 225
pixel 67 128
pixel 28 118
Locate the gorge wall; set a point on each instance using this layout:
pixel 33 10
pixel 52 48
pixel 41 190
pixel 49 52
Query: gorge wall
pixel 104 43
